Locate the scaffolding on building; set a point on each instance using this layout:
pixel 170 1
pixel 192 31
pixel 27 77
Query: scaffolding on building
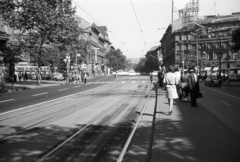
pixel 188 14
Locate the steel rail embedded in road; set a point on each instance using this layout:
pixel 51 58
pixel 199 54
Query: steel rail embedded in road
pixel 123 152
pixel 97 118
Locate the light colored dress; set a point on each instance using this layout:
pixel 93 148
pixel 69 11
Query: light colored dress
pixel 171 80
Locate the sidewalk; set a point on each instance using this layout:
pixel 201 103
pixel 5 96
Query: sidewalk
pixel 191 134
pixel 188 135
pixel 30 84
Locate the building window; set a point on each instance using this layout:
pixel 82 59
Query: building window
pixel 209 45
pixel 178 48
pixel 214 56
pixel 224 45
pixel 235 56
pixel 177 57
pixel 184 47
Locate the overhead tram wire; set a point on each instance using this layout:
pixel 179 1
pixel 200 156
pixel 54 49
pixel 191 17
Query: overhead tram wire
pixel 86 12
pixel 99 23
pixel 146 30
pixel 139 25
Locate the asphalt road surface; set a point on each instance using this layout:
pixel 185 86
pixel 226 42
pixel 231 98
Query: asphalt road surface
pixel 103 111
pixel 92 123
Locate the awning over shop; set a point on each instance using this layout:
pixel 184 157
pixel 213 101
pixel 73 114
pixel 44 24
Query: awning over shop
pixel 207 68
pixel 215 69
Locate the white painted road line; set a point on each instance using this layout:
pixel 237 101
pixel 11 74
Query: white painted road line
pixel 40 94
pixel 27 107
pixel 7 100
pixel 225 103
pixel 77 86
pixel 63 89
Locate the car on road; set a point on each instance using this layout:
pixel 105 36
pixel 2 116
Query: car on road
pixel 213 80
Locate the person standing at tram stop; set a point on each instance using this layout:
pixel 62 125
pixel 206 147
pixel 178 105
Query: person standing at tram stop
pixel 170 81
pixel 193 83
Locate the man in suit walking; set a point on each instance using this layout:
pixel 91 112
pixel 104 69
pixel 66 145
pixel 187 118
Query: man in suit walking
pixel 193 83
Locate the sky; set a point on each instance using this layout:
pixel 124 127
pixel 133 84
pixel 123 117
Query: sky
pixel 135 26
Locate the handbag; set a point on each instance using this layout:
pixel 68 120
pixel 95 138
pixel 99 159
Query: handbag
pixel 199 95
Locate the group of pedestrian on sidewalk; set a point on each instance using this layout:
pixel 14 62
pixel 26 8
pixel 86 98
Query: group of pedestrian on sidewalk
pixel 77 78
pixel 170 80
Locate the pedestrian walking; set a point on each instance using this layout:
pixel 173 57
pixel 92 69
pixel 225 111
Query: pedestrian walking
pixel 170 80
pixel 20 77
pixel 193 83
pixel 116 76
pixel 70 78
pixel 82 77
pixel 85 78
pixel 25 76
pixel 38 75
pixel 151 77
pixel 160 77
pixel 178 75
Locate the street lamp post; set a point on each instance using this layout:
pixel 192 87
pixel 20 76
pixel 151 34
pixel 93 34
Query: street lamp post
pixel 182 53
pixel 203 27
pixel 183 59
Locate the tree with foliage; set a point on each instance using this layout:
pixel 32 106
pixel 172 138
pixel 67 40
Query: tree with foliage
pixel 236 39
pixel 151 63
pixel 12 51
pixel 42 23
pixel 140 66
pixel 116 60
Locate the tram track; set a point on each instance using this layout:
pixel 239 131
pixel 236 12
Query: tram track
pixel 114 136
pixel 53 107
pixel 101 137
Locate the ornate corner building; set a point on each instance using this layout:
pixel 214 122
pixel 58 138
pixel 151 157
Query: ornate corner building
pixel 205 42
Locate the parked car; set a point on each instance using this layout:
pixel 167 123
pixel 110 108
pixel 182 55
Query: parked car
pixel 213 80
pixel 238 77
pixel 32 76
pixel 232 77
pixel 133 73
pixel 121 72
pixel 58 76
pixel 155 73
pixel 46 77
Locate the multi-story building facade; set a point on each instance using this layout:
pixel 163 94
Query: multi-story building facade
pixel 99 45
pixel 206 43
